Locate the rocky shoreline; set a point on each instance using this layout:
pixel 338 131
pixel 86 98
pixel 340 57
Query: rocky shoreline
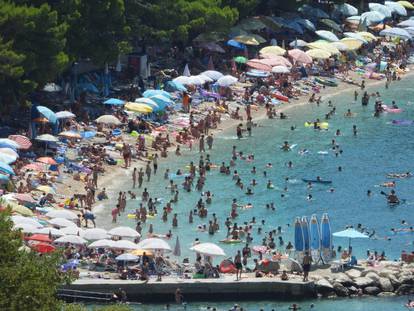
pixel 391 279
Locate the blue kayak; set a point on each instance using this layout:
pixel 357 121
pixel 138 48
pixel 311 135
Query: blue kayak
pixel 316 181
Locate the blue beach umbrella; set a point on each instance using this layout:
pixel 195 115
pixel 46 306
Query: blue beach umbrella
pixel 176 86
pixel 114 101
pixel 407 23
pixel 377 7
pixel 306 233
pixel 235 44
pixel 8 143
pixel 396 7
pixel 327 35
pixel 396 32
pixel 350 234
pixel 5 168
pixel 315 233
pixel 88 134
pixel 346 9
pixel 161 100
pixel 299 241
pixel 47 113
pixel 373 17
pixel 6 158
pixel 305 23
pixel 326 233
pixel 150 93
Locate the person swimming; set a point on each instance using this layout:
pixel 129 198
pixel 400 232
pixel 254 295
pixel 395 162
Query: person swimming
pixel 392 198
pixel 269 185
pixel 286 146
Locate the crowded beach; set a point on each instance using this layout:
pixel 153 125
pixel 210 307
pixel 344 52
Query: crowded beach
pixel 71 161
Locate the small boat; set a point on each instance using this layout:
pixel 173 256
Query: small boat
pixel 317 181
pixel 326 81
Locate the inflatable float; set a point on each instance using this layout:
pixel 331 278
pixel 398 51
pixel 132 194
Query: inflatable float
pixel 231 241
pixel 281 97
pixel 133 216
pixel 321 125
pixel 391 110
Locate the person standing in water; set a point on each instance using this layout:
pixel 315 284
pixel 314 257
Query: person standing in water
pixel 201 147
pixel 134 177
pixel 209 141
pixel 239 266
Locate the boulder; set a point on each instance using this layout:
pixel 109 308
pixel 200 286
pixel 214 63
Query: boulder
pixel 372 290
pixel 405 289
pixel 324 288
pixel 343 279
pixel 373 276
pixel 386 294
pixel 340 290
pixel 363 282
pixel 394 281
pixel 406 279
pixel 386 273
pixel 353 273
pixel 368 270
pixel 353 290
pixel 386 285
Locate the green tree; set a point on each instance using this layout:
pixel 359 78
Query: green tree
pixel 33 40
pixel 28 281
pixel 244 7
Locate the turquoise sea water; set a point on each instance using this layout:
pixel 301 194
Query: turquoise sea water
pixel 379 148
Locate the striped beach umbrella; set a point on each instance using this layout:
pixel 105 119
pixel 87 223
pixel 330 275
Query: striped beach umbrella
pixel 23 141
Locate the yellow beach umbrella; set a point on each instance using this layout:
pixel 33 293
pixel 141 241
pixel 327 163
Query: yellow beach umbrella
pixel 20 209
pixel 318 54
pixel 273 50
pixel 352 44
pixel 246 39
pixel 321 45
pixel 367 35
pixel 46 189
pixel 140 108
pixel 406 4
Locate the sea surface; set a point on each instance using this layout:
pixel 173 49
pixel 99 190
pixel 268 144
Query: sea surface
pixel 379 148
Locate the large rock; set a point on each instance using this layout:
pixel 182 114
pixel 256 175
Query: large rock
pixel 394 281
pixel 373 276
pixel 386 294
pixel 363 282
pixel 324 288
pixel 405 289
pixel 353 290
pixel 406 279
pixel 372 290
pixel 343 279
pixel 340 290
pixel 386 285
pixel 353 273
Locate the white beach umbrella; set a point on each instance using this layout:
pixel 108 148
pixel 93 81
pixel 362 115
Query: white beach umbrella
pixel 102 244
pixel 280 69
pixel 396 32
pixel 181 79
pixel 205 78
pixel 377 7
pixel 356 36
pixel 298 43
pixel 154 244
pixel 73 231
pixel 396 7
pixel 64 114
pixel 47 138
pixel 125 244
pixel 72 239
pixel 62 214
pixel 127 257
pixel 50 230
pixel 226 81
pixel 95 234
pixel 52 87
pixel 327 35
pixel 407 23
pixel 108 119
pixel 212 74
pixel 340 46
pixel 10 152
pixel 195 80
pixel 26 220
pixel 26 228
pixel 124 232
pixel 61 222
pixel 372 17
pixel 209 249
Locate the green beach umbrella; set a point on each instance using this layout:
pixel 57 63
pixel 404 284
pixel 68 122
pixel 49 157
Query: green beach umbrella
pixel 240 59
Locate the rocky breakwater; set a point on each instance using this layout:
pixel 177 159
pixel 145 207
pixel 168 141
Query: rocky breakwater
pixel 388 279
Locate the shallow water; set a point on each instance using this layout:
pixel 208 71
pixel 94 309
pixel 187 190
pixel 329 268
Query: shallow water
pixel 379 148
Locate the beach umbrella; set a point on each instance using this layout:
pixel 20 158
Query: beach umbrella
pixel 356 36
pixel 46 160
pixel 306 233
pixel 95 234
pixel 246 39
pixel 236 44
pixel 315 234
pixel 354 19
pixel 352 44
pixel 4 178
pixel 226 81
pixel 195 80
pixel 139 108
pixel 47 138
pixel 175 86
pixel 26 228
pixel 124 232
pixel 62 213
pixel 396 7
pixel 161 101
pixel 373 17
pixel 108 119
pixel 181 79
pixel 72 239
pixel 406 4
pixel 70 135
pixel 47 113
pixel 208 249
pixel 324 45
pixel 52 87
pixel 280 69
pixel 396 32
pixel 5 168
pixel 273 50
pixel 318 54
pixel 140 252
pixel 154 244
pixel 114 102
pixel 146 101
pixel 24 198
pixel 259 65
pixel 127 257
pixel 73 231
pixel 212 74
pixel 300 56
pixel 61 222
pixel 124 244
pixel 276 61
pixel 49 231
pixel 177 248
pixel 39 238
pixel 150 93
pixel 7 158
pixel 298 44
pixel 205 78
pixel 305 23
pixel 22 141
pixel 299 239
pixel 377 7
pixel 257 73
pixel 43 248
pixel 186 71
pixel 308 10
pixel 327 35
pixel 8 143
pixel 65 114
pixel 20 209
pixel 240 60
pixel 340 46
pixel 367 35
pixel 102 244
pixel 331 24
pixel 350 234
pixel 45 189
pixel 346 9
pixel 26 221
pixel 407 23
pixel 258 38
pixel 212 47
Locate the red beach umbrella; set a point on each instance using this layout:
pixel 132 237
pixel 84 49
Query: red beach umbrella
pixel 46 160
pixel 39 237
pixel 43 248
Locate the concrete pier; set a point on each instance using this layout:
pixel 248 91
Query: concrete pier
pixel 225 288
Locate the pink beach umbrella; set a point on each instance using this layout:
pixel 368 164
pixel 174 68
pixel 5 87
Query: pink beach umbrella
pixel 257 64
pixel 300 57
